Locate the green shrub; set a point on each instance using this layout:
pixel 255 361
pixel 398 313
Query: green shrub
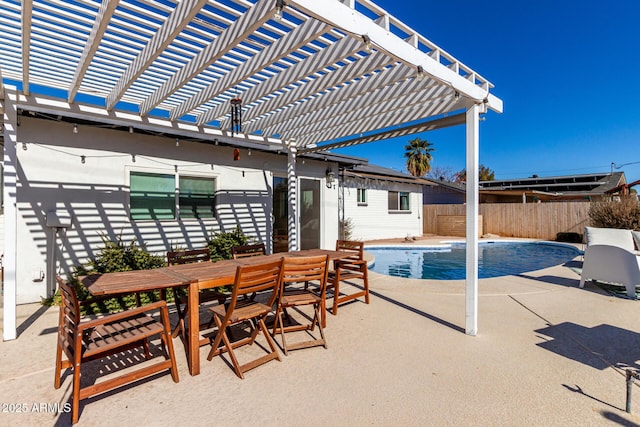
pixel 118 256
pixel 220 244
pixel 622 212
pixel 113 257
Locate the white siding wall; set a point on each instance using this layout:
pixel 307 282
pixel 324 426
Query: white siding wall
pixel 1 234
pixel 375 221
pixel 51 176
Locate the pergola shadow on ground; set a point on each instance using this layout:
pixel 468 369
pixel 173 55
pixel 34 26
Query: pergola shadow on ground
pixel 399 360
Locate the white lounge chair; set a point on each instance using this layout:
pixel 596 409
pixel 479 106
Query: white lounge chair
pixel 610 256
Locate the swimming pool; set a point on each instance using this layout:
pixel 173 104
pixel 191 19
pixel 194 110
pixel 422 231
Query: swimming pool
pixel 448 262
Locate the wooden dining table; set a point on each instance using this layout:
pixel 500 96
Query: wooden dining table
pixel 196 277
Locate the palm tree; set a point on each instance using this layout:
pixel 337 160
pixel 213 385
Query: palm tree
pixel 418 154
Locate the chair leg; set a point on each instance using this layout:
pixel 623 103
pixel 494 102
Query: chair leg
pixel 317 321
pixel 147 353
pixel 228 347
pixel 232 355
pixel 168 343
pixel 75 405
pixel 366 286
pixel 217 339
pixel 56 383
pixel 180 328
pixel 279 319
pixel 272 343
pixel 336 293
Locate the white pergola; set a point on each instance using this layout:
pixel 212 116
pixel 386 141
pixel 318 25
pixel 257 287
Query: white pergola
pixel 312 75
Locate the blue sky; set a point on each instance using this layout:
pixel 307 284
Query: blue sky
pixel 566 70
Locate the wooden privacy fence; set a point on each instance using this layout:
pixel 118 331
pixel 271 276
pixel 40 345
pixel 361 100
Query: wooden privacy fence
pixel 532 220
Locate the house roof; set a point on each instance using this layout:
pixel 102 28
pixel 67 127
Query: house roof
pixel 308 72
pixel 380 172
pixel 595 184
pixel 571 185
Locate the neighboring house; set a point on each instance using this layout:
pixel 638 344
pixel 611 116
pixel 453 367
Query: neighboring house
pixel 381 203
pixel 440 192
pixel 584 187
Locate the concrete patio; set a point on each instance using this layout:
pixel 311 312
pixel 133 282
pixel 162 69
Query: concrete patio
pixel 547 353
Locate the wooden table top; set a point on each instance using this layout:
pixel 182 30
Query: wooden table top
pixel 131 281
pixel 206 274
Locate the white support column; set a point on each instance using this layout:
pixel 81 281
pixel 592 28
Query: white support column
pixel 293 198
pixel 10 124
pixel 471 318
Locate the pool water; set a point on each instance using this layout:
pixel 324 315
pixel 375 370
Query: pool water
pixel 448 262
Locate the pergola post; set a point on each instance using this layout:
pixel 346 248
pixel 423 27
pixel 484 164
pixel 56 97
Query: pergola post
pixel 471 292
pixel 10 123
pixel 292 199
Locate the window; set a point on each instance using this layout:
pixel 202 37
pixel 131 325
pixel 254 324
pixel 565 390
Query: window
pixel 154 196
pixel 362 196
pixel 197 197
pixel 399 201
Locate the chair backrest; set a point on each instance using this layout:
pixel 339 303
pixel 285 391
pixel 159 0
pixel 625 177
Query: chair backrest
pixel 248 250
pixel 263 277
pixel 69 317
pixel 305 269
pixel 355 249
pixel 189 256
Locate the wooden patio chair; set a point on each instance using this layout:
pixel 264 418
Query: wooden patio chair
pixel 352 266
pixel 248 250
pixel 206 296
pixel 84 340
pixel 294 293
pixel 263 278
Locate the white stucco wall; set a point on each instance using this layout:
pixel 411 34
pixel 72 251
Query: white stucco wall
pixel 51 177
pixel 374 220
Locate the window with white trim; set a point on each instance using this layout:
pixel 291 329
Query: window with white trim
pixel 399 201
pixel 154 196
pixel 196 197
pixel 362 196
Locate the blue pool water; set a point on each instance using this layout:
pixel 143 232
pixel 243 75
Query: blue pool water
pixel 449 261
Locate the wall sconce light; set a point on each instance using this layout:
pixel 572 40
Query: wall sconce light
pixel 83 159
pixel 420 73
pixel 330 176
pixel 75 128
pixel 130 129
pixel 177 142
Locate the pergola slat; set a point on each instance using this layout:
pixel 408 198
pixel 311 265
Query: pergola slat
pixel 279 48
pixel 353 92
pixel 318 85
pixel 240 29
pixel 302 77
pixel 97 32
pixel 178 20
pixel 402 96
pixel 330 55
pixel 27 9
